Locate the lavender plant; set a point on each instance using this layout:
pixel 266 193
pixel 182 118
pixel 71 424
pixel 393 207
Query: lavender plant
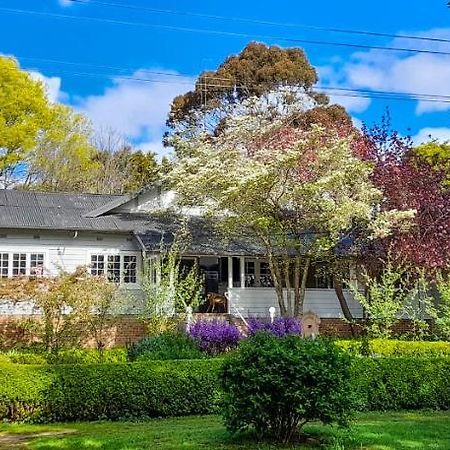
pixel 215 336
pixel 281 326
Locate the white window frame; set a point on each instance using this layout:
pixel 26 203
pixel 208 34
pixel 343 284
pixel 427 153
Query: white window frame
pixel 18 250
pixel 121 255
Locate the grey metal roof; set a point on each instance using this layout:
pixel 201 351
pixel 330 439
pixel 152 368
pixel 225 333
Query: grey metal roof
pixel 59 211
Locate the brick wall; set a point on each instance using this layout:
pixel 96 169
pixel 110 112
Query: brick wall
pixel 130 329
pixel 124 331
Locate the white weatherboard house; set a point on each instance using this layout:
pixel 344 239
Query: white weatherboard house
pixel 42 233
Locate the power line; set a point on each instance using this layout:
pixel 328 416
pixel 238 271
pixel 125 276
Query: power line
pixel 261 22
pixel 222 33
pixel 335 91
pixel 232 83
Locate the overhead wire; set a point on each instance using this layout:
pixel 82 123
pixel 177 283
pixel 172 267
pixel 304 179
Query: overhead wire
pixel 261 22
pixel 223 33
pixel 215 81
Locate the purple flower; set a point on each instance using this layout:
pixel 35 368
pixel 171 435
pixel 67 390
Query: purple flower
pixel 281 326
pixel 215 336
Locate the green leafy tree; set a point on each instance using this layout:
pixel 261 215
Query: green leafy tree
pixel 24 113
pixel 280 79
pixel 170 290
pixel 63 158
pixel 297 192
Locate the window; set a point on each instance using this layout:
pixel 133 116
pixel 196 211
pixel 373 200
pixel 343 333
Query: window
pixel 19 264
pixel 250 274
pixel 114 268
pixel 118 268
pixel 4 265
pixel 37 264
pixel 265 275
pixel 97 265
pixel 129 268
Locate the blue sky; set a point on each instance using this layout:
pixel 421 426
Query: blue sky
pixel 98 56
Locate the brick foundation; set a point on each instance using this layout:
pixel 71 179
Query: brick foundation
pixel 129 329
pixel 125 330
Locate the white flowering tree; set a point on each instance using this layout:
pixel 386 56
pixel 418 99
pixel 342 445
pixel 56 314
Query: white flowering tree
pixel 299 193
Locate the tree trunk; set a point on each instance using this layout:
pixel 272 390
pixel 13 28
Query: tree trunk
pixel 278 282
pixel 287 278
pixel 300 291
pixel 339 289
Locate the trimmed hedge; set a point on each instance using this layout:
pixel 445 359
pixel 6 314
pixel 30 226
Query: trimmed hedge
pixel 392 347
pixel 66 356
pixel 108 391
pixel 184 387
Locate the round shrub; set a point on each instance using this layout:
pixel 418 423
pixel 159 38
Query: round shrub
pixel 165 346
pixel 276 385
pixel 214 336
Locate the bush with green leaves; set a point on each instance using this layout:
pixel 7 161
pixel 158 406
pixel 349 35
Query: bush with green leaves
pixel 277 385
pixel 68 356
pixel 108 391
pixel 395 348
pixel 164 347
pixel 172 388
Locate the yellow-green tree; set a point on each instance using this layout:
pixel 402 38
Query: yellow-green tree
pixel 63 158
pixel 24 113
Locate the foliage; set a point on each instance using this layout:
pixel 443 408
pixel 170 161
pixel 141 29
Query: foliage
pixel 440 311
pixel 412 179
pixel 388 296
pixel 401 383
pixel 123 169
pixel 73 306
pixel 22 117
pixel 63 159
pixel 297 193
pixel 214 336
pixel 281 326
pixel 65 356
pixel 165 346
pixel 277 385
pixel 108 391
pixel 397 348
pixel 165 388
pixel 256 72
pixel 169 290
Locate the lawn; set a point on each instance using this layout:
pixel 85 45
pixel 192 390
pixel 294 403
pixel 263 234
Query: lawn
pixel 387 431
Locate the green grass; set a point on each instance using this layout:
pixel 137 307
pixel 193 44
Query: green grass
pixel 382 431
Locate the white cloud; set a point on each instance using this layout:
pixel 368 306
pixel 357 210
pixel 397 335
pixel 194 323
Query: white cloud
pixel 442 134
pixel 137 110
pixel 52 86
pixel 420 73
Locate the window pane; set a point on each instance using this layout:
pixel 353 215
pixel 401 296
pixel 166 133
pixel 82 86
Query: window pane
pixel 129 268
pixel 19 264
pixel 4 264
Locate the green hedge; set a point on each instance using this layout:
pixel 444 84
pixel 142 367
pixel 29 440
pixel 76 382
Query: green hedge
pixel 67 356
pixel 184 387
pixel 392 347
pixel 108 391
